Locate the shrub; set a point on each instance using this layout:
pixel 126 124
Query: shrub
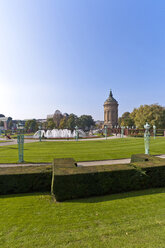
pixel 25 179
pixel 69 182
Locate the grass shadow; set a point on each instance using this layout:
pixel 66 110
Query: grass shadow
pixel 24 195
pixel 96 199
pixel 41 163
pixel 11 148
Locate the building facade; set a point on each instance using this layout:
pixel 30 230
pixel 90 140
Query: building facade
pixel 110 111
pixel 5 123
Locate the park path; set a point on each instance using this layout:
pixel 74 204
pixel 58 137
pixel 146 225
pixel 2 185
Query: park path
pixel 105 162
pixel 14 141
pixel 110 161
pixel 86 163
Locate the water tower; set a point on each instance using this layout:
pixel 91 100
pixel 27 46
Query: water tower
pixel 111 111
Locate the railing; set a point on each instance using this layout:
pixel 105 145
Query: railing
pixel 137 132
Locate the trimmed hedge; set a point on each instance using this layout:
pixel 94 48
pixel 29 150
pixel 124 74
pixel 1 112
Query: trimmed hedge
pixel 69 182
pixel 25 179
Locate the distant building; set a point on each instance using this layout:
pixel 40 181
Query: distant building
pixel 65 114
pixel 111 111
pixel 5 121
pixel 49 117
pixel 99 123
pixel 57 112
pixel 41 120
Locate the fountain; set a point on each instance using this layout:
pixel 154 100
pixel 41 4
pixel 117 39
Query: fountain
pixel 59 133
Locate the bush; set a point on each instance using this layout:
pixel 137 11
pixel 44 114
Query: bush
pixel 25 179
pixel 69 182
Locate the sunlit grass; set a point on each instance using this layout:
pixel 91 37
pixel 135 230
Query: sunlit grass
pixel 127 220
pixel 82 150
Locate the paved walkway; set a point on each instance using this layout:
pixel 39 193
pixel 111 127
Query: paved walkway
pixel 14 141
pixel 105 162
pixel 88 163
pixel 110 162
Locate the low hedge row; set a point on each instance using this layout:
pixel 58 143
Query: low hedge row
pixel 75 182
pixel 25 179
pixel 70 181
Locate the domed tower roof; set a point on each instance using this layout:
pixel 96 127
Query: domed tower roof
pixel 110 99
pixel 57 112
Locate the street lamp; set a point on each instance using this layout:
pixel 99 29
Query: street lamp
pixel 20 141
pixel 122 131
pixel 154 129
pixel 76 133
pixel 147 138
pixel 39 133
pixel 105 127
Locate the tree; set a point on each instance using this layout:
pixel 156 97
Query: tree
pixel 119 121
pixel 154 114
pixel 85 122
pixel 50 124
pixel 63 123
pixel 1 115
pixel 72 122
pixel 31 125
pixel 45 125
pixel 126 120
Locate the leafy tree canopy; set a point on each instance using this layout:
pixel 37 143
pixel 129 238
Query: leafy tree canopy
pixel 50 124
pixel 63 122
pixel 72 121
pixel 126 120
pixel 85 122
pixel 154 114
pixel 31 125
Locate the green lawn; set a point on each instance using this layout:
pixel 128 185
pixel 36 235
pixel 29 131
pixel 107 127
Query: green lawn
pixel 81 150
pixel 128 220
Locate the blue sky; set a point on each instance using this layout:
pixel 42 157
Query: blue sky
pixel 68 54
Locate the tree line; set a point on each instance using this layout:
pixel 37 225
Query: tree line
pixel 154 114
pixel 62 121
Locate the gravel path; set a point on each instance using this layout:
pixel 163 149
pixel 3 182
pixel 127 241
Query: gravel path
pixel 14 141
pixel 105 162
pixel 87 163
